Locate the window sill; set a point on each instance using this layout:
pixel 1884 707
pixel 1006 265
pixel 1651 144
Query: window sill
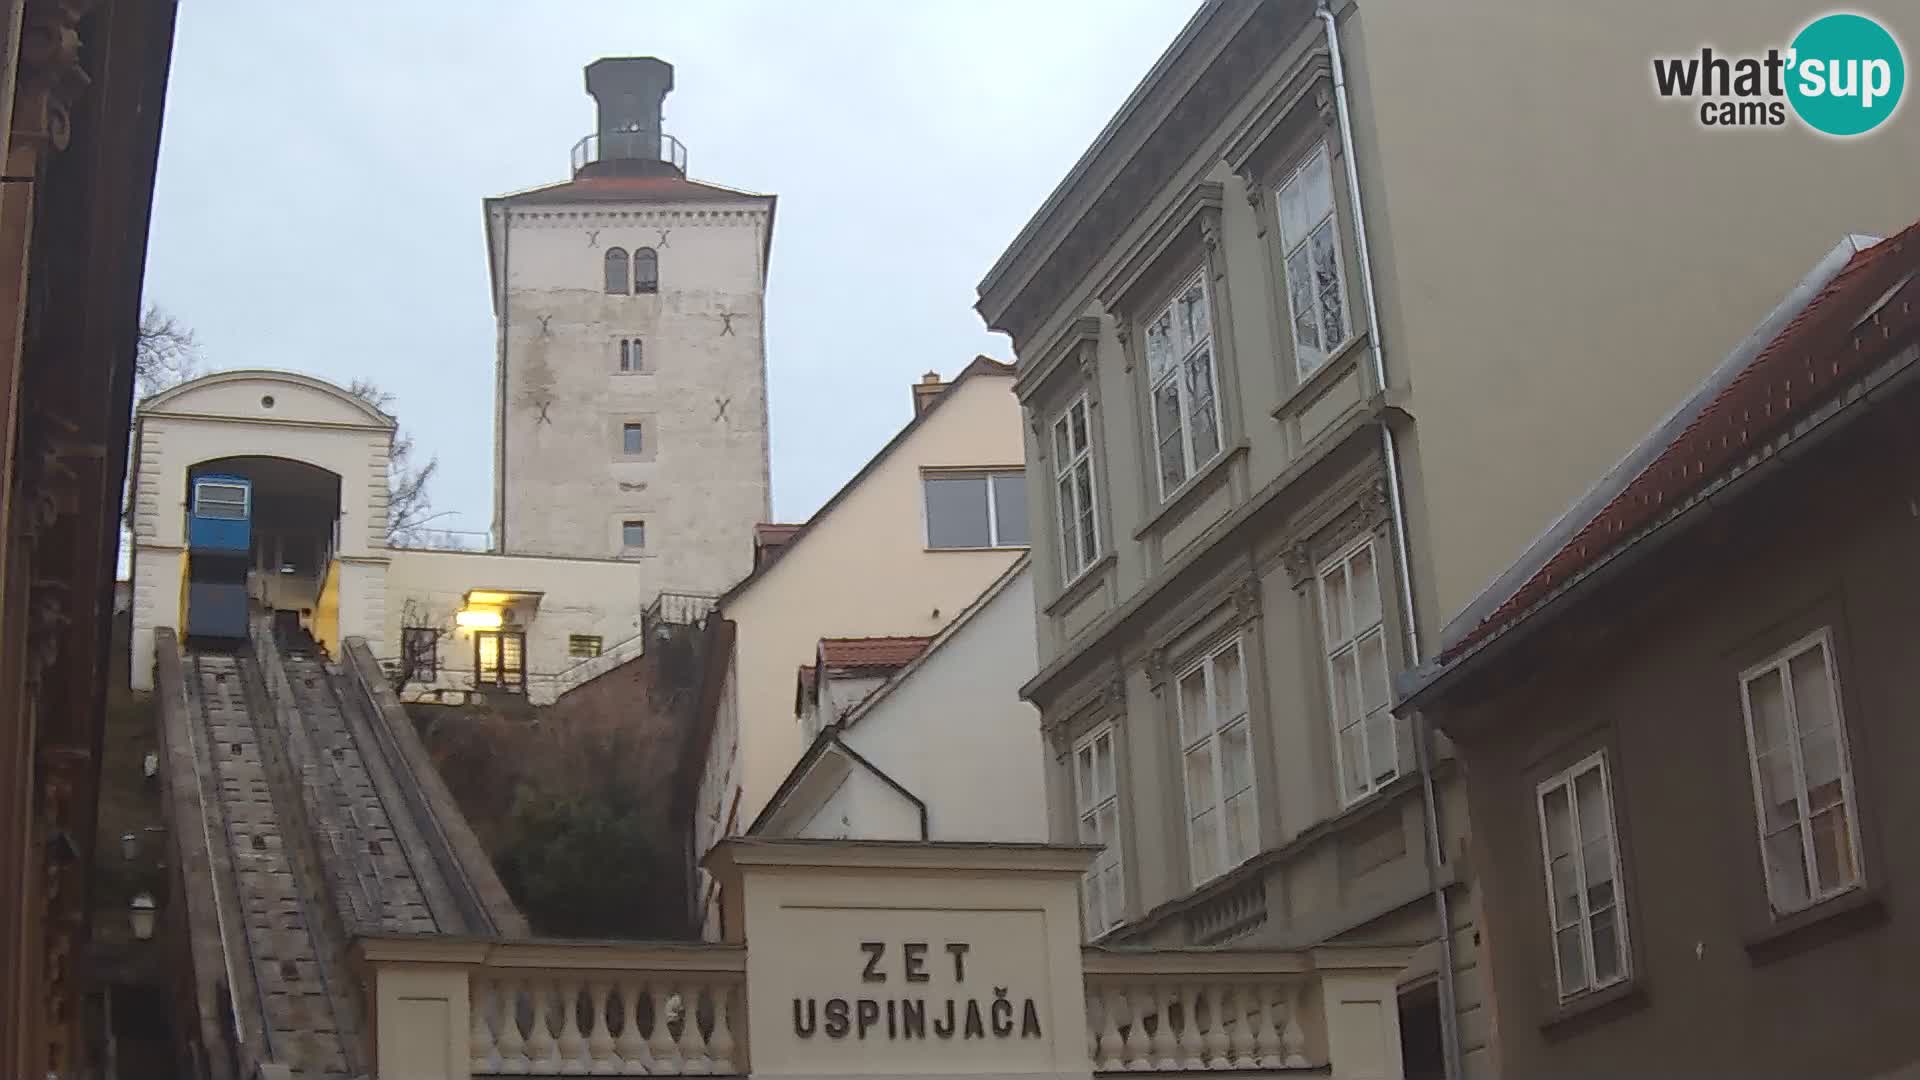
pixel 1330 371
pixel 995 547
pixel 1594 1007
pixel 1850 912
pixel 1179 502
pixel 1083 583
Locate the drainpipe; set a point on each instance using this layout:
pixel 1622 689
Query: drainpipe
pixel 1396 503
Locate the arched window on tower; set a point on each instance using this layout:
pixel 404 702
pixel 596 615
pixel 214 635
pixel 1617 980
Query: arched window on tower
pixel 646 271
pixel 617 271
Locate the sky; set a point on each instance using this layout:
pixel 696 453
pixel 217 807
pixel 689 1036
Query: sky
pixel 322 168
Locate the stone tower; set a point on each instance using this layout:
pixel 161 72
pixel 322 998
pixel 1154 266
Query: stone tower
pixel 631 407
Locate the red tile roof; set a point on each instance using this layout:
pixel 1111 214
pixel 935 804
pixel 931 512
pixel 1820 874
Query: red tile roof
pixel 629 189
pixel 1813 357
pixel 871 652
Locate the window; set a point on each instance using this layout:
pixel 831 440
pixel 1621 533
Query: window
pixel 1217 755
pixel 420 653
pixel 617 271
pixel 630 354
pixel 1186 413
pixel 499 659
pixel 1802 778
pixel 1356 641
pixel 1073 476
pixel 1310 244
pixel 583 646
pixel 212 499
pixel 977 510
pixel 633 534
pixel 1096 798
pixel 646 271
pixel 632 439
pixel 1584 904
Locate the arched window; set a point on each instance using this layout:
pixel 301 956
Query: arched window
pixel 646 271
pixel 617 271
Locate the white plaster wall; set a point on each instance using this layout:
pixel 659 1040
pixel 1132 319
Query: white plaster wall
pixel 955 732
pixel 702 481
pixel 863 807
pixel 581 596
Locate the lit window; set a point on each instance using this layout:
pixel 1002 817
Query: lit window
pixel 583 646
pixel 617 271
pixel 1186 412
pixel 629 354
pixel 1582 863
pixel 1073 477
pixel 1802 776
pixel 1310 242
pixel 1356 642
pixel 633 534
pixel 1217 762
pixel 646 271
pixel 1096 796
pixel 632 439
pixel 977 510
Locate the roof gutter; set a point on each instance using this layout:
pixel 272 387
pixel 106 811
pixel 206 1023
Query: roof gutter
pixel 1396 506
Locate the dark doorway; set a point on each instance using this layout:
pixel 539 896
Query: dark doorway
pixel 1421 1048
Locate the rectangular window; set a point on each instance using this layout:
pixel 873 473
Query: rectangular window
pixel 499 659
pixel 1802 775
pixel 976 510
pixel 1356 642
pixel 1310 244
pixel 633 535
pixel 1582 861
pixel 420 653
pixel 632 439
pixel 216 500
pixel 583 646
pixel 1217 762
pixel 1073 477
pixel 1096 797
pixel 629 354
pixel 1186 412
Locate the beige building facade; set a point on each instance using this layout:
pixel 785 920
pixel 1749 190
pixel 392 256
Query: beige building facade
pixel 1277 446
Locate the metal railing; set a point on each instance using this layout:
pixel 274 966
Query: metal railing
pixel 621 145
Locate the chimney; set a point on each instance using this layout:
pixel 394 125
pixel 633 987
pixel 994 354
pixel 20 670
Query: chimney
pixel 924 391
pixel 628 139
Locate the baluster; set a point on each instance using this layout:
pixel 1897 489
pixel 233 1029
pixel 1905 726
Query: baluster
pixel 632 1045
pixel 660 1045
pixel 1134 1050
pixel 720 1043
pixel 1217 1046
pixel 1266 1037
pixel 572 1046
pixel 1166 1048
pixel 599 1037
pixel 1293 1041
pixel 512 1047
pixel 542 1051
pixel 693 1048
pixel 480 1051
pixel 1240 1033
pixel 1192 1047
pixel 1107 1053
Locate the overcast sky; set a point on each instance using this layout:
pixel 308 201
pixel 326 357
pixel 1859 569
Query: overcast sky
pixel 322 166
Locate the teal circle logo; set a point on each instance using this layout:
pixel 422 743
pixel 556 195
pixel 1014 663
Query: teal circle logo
pixel 1845 74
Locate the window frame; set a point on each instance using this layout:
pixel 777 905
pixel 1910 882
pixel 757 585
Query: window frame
pixel 1192 463
pixel 1565 778
pixel 585 646
pixel 1331 651
pixel 638 431
pixel 246 499
pixel 626 272
pixel 1328 349
pixel 1065 471
pixel 989 475
pixel 1205 662
pixel 649 257
pixel 512 679
pixel 1781 660
pixel 1112 856
pixel 631 355
pixel 642 523
pixel 425 664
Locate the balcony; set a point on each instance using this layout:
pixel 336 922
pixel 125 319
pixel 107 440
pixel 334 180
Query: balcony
pixel 639 148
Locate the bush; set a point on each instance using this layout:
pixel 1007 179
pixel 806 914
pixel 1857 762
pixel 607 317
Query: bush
pixel 583 864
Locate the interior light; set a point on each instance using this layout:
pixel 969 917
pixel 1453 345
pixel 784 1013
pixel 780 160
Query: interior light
pixel 472 619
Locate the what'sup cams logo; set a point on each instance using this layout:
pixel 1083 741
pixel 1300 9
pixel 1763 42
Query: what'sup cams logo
pixel 1843 75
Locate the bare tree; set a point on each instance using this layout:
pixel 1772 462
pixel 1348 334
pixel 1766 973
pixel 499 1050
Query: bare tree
pixel 165 354
pixel 408 506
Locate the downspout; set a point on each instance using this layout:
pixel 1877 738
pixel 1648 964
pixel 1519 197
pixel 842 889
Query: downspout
pixel 1396 504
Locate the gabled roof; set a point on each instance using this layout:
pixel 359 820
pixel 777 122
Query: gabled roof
pixel 939 641
pixel 829 744
pixel 980 365
pixel 871 652
pixel 590 189
pixel 1838 326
